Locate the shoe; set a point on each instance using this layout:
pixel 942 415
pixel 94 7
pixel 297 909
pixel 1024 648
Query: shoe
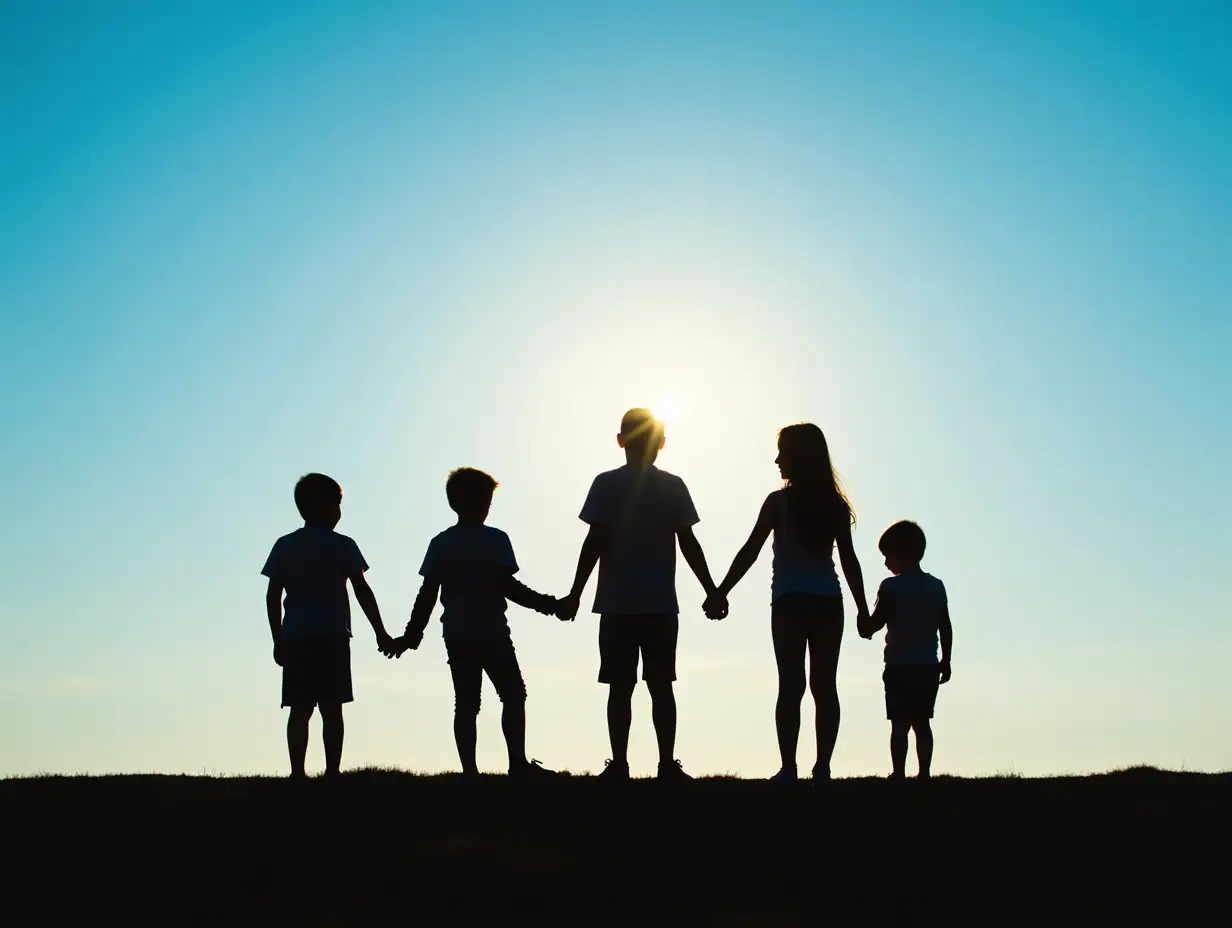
pixel 533 770
pixel 613 772
pixel 672 771
pixel 786 775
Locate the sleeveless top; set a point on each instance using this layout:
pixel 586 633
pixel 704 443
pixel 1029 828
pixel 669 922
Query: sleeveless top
pixel 797 569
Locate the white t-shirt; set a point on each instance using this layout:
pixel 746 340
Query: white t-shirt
pixel 313 565
pixel 798 568
pixel 469 562
pixel 919 602
pixel 641 509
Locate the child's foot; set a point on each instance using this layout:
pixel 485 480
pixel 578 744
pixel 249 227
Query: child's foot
pixel 785 775
pixel 672 771
pixel 532 770
pixel 614 771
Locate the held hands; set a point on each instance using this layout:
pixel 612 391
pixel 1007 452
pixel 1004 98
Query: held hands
pixel 385 643
pixel 566 608
pixel 863 623
pixel 716 606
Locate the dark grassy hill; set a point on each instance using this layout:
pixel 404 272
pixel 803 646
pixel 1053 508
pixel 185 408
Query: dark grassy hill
pixel 1138 847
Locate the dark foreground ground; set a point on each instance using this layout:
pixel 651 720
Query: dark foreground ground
pixel 1139 847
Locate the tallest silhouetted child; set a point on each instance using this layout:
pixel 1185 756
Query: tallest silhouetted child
pixel 636 515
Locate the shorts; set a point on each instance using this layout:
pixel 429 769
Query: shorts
pixel 801 622
pixel 316 671
pixel 911 691
pixel 470 660
pixel 622 637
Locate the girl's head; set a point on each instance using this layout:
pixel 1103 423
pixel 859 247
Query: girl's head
pixel 816 500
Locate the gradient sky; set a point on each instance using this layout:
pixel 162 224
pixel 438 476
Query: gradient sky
pixel 987 247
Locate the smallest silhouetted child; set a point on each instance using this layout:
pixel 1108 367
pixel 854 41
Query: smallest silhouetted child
pixel 913 609
pixel 471 566
pixel 312 642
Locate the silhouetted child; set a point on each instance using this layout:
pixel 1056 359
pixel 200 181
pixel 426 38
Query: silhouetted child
pixel 636 515
pixel 912 608
pixel 312 641
pixel 809 517
pixel 471 567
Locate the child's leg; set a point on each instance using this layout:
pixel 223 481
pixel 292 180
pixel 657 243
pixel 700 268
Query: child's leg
pixel 923 745
pixel 466 668
pixel 790 641
pixel 501 663
pixel 898 746
pixel 297 737
pixel 331 734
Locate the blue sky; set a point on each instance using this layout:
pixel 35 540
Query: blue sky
pixel 987 247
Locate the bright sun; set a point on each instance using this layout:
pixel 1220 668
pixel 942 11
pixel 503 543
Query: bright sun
pixel 668 408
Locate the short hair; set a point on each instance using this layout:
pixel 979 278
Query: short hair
pixel 469 488
pixel 316 496
pixel 905 538
pixel 640 429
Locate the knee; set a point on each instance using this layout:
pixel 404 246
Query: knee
pixel 621 692
pixel 661 691
pixel 331 713
pixel 513 697
pixel 792 687
pixel 921 727
pixel 301 714
pixel 466 706
pixel 900 727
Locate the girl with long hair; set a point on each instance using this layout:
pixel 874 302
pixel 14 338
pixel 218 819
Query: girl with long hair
pixel 808 517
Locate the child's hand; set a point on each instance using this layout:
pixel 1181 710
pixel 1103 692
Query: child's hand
pixel 944 669
pixel 410 642
pixel 863 621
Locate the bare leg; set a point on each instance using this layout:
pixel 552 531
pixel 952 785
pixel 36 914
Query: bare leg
pixel 923 746
pixel 898 746
pixel 465 736
pixel 790 645
pixel 663 713
pixel 824 641
pixel 331 734
pixel 297 737
pixel 787 719
pixel 619 720
pixel 513 724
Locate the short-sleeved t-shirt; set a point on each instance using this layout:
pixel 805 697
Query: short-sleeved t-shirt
pixel 313 565
pixel 641 509
pixel 919 601
pixel 470 562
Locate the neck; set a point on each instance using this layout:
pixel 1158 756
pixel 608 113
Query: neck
pixel 470 520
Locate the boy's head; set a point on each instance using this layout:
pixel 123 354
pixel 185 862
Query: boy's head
pixel 319 500
pixel 469 492
pixel 641 435
pixel 903 546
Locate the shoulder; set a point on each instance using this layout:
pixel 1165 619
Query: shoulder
pixel 936 584
pixel 668 479
pixel 889 585
pixel 495 535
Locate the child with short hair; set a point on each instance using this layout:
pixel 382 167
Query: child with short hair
pixel 637 514
pixel 312 629
pixel 912 607
pixel 471 567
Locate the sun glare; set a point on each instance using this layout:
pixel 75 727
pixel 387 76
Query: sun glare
pixel 668 408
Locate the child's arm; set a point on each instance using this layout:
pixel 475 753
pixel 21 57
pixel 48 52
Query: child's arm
pixel 367 602
pixel 747 556
pixel 273 609
pixel 518 592
pixel 883 612
pixel 851 568
pixel 588 557
pixel 691 549
pixel 421 612
pixel 946 632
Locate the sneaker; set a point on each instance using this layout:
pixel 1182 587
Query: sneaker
pixel 786 775
pixel 613 772
pixel 672 771
pixel 533 770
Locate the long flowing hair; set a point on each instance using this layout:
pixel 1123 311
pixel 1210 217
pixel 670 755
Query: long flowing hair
pixel 816 503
